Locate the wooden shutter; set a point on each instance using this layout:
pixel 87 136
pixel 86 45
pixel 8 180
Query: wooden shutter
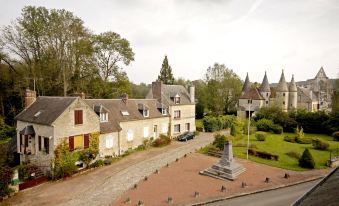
pixel 80 117
pixel 86 141
pixel 39 139
pixel 26 140
pixel 71 143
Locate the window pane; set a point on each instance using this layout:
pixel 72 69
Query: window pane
pixel 109 141
pixel 146 132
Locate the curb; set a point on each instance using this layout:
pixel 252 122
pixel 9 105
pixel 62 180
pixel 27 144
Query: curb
pixel 255 192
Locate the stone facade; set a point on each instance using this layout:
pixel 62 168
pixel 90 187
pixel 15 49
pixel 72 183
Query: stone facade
pixel 312 95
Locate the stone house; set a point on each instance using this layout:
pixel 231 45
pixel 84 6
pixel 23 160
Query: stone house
pixel 127 123
pixel 179 103
pixel 47 121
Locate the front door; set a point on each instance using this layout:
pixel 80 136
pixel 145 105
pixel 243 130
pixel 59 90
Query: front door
pixel 155 131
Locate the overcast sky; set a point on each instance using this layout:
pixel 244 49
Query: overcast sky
pixel 251 36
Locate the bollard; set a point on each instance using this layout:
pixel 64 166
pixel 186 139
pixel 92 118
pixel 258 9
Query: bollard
pixel 196 194
pixel 286 176
pixel 170 200
pixel 268 180
pixel 128 200
pixel 243 184
pixel 223 188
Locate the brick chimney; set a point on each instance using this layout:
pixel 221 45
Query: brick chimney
pixel 124 97
pixel 156 90
pixel 30 97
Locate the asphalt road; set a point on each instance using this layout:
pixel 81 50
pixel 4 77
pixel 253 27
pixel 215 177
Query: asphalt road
pixel 280 197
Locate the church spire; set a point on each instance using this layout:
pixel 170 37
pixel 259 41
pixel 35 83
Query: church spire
pixel 282 85
pixel 265 86
pixel 247 85
pixel 293 86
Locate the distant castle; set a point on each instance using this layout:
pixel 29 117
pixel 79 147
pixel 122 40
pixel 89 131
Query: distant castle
pixel 312 95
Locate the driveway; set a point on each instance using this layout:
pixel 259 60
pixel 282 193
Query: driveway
pixel 103 185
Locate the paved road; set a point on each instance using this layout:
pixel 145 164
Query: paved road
pixel 102 186
pixel 280 197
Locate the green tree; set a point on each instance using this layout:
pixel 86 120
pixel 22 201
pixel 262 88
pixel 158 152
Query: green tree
pixel 111 52
pixel 306 160
pixel 166 75
pixel 226 86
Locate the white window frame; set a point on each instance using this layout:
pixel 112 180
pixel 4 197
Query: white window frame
pixel 109 141
pixel 146 132
pixel 145 112
pixel 163 111
pixel 104 117
pixel 130 135
pixel 177 114
pixel 174 128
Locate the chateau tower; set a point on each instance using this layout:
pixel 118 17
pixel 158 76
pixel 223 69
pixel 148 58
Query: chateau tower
pixel 247 85
pixel 265 90
pixel 292 102
pixel 282 93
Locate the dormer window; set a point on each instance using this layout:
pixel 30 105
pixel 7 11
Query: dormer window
pixel 177 99
pixel 163 111
pixel 104 117
pixel 145 112
pixel 124 113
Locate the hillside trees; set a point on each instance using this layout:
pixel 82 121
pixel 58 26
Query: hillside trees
pixel 61 56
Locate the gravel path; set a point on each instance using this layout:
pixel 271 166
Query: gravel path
pixel 103 185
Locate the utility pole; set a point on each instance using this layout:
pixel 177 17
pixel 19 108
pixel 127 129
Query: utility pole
pixel 248 126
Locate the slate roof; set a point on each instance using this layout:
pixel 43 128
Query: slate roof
pixel 247 84
pixel 115 108
pixel 169 91
pixel 293 86
pixel 282 85
pixel 305 95
pixel 325 192
pixel 265 86
pixel 252 93
pixel 45 110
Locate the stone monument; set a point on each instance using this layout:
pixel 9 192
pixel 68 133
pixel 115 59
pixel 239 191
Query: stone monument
pixel 226 168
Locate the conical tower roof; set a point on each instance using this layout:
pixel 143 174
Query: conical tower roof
pixel 293 86
pixel 265 86
pixel 282 85
pixel 247 84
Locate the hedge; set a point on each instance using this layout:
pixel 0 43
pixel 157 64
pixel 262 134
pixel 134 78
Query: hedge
pixel 335 135
pixel 320 145
pixel 6 174
pixel 263 154
pixel 212 124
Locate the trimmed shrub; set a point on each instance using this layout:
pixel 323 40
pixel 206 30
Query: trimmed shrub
pixel 88 155
pixel 320 145
pixel 161 141
pixel 219 141
pixel 294 154
pixel 303 140
pixel 6 174
pixel 335 135
pixel 306 160
pixel 267 125
pixel 64 161
pixel 263 154
pixel 260 136
pixel 289 139
pixel 276 129
pixel 212 124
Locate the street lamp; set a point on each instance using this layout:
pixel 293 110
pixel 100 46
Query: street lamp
pixel 248 126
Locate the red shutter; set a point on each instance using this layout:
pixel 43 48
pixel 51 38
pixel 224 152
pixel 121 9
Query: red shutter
pixel 71 143
pixel 80 117
pixel 86 141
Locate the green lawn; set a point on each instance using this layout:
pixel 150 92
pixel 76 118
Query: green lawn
pixel 275 144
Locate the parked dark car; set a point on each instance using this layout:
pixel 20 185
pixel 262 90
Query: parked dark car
pixel 186 136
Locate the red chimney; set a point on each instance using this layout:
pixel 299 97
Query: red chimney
pixel 30 97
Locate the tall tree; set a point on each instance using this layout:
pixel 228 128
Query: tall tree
pixel 112 52
pixel 166 75
pixel 226 86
